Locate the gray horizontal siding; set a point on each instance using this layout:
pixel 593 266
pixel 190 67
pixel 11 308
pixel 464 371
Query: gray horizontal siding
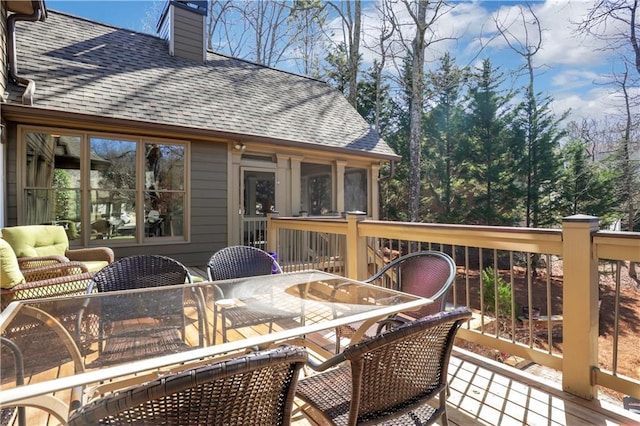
pixel 208 201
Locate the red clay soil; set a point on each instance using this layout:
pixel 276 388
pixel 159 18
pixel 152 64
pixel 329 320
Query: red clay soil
pixel 628 362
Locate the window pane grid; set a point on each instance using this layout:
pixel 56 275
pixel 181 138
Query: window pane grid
pixel 124 196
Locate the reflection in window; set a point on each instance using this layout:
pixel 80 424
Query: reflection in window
pixel 164 190
pixel 259 193
pixel 113 188
pixel 317 188
pixel 124 202
pixel 355 189
pixel 52 190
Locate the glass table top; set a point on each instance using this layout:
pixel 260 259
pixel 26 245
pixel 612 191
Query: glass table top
pixel 102 336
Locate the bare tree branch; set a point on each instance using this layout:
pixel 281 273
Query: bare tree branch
pixel 613 13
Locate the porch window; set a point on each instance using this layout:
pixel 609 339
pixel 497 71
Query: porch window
pixel 355 189
pixel 122 189
pixel 317 188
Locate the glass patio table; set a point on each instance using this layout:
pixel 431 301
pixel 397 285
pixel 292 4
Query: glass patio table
pixel 62 333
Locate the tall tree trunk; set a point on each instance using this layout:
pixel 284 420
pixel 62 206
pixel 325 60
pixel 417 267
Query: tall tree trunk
pixel 354 54
pixel 417 102
pixel 626 164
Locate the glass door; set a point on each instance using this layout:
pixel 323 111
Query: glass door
pixel 258 195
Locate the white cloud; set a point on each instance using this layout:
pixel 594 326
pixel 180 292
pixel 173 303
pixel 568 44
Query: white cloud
pixel 570 67
pixel 561 43
pixel 451 29
pixel 599 103
pixel 575 79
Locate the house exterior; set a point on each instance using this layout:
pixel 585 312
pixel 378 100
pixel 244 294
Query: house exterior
pixel 151 143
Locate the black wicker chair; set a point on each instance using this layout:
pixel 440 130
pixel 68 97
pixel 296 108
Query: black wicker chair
pixel 254 389
pixel 137 272
pixel 238 262
pixel 241 261
pixel 389 378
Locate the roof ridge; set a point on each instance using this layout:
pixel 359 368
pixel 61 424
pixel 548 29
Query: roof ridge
pixel 70 15
pixel 82 18
pixel 266 66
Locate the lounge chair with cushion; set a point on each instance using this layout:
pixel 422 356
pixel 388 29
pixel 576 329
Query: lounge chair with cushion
pixel 59 279
pixel 31 242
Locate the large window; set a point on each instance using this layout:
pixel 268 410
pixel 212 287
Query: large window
pixel 131 189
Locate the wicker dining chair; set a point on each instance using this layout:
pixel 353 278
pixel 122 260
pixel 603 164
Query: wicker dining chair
pixel 386 379
pixel 239 262
pixel 137 272
pixel 426 273
pixel 254 389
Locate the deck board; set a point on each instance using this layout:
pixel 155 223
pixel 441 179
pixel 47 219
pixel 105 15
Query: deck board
pixel 485 394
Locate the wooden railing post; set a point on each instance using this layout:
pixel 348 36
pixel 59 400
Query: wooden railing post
pixel 579 305
pixel 356 248
pixel 272 234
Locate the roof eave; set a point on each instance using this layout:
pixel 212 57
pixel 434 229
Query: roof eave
pixel 44 116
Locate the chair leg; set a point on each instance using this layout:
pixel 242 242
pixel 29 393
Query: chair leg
pixel 444 395
pixel 444 421
pixel 215 323
pixel 224 328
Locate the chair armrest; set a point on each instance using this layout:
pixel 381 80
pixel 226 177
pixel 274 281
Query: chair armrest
pixel 390 322
pixel 25 263
pixel 53 287
pixel 104 254
pixel 325 365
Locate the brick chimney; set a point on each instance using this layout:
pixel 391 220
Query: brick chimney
pixel 183 25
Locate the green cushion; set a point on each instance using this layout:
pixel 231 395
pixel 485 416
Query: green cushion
pixel 36 240
pixel 95 265
pixel 10 274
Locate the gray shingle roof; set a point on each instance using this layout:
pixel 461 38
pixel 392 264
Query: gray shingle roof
pixel 86 67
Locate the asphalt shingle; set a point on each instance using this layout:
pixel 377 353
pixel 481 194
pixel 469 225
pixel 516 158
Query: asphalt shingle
pixel 91 68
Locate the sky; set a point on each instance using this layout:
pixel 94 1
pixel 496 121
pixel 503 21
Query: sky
pixel 570 67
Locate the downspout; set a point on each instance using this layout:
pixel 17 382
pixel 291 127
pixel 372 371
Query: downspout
pixel 39 14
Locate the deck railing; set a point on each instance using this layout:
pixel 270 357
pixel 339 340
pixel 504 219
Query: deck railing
pixel 534 292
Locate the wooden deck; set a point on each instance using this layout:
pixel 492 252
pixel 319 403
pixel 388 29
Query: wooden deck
pixel 483 392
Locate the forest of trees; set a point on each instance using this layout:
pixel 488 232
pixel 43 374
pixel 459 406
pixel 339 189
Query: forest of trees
pixel 476 148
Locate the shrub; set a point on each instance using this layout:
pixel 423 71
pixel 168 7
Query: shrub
pixel 493 284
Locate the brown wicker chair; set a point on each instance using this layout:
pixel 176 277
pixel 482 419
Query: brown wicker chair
pixel 41 245
pixel 136 272
pixel 388 379
pixel 254 389
pixel 426 273
pixel 54 280
pixel 26 336
pixel 238 262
